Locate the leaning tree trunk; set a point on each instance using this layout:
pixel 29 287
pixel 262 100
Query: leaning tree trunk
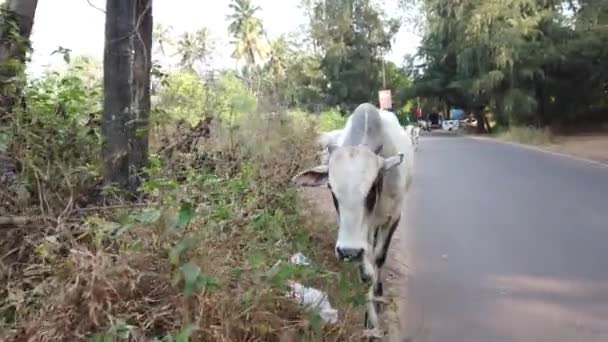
pixel 17 19
pixel 127 61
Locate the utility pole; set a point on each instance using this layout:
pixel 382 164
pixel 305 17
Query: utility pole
pixel 383 73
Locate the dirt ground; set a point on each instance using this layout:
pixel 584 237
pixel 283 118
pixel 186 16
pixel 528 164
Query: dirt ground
pixel 394 272
pixel 590 146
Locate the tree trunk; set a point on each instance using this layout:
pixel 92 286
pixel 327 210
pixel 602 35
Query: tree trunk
pixel 19 15
pixel 138 138
pixel 127 62
pixel 481 120
pixel 539 91
pixel 117 81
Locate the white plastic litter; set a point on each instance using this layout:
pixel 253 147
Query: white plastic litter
pixel 311 297
pixel 299 259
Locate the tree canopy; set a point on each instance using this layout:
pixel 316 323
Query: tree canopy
pixel 533 62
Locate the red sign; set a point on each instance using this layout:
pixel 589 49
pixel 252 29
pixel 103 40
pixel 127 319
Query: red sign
pixel 385 99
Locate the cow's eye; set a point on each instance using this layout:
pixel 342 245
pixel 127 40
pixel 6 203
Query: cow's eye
pixel 374 191
pixel 370 199
pixel 333 197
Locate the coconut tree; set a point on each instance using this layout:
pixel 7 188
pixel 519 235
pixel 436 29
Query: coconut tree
pixel 194 48
pixel 247 31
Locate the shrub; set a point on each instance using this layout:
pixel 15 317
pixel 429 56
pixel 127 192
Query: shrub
pixel 201 255
pixel 331 119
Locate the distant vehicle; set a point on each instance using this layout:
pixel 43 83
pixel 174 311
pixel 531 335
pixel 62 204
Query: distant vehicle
pixel 424 125
pixel 434 119
pixel 469 121
pixel 450 125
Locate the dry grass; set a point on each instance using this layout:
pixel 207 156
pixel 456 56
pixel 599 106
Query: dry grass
pixel 529 135
pixel 204 253
pixel 590 146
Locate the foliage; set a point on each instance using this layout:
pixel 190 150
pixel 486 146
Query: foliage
pixel 517 58
pixel 182 98
pixel 185 96
pixel 200 249
pixel 232 99
pixel 205 236
pixel 62 111
pixel 352 37
pixel 399 82
pixel 247 31
pixel 330 120
pixel 194 48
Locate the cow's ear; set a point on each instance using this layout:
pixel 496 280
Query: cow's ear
pixel 393 161
pixel 316 176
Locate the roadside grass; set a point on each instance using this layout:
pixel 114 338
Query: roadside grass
pixel 528 135
pixel 201 256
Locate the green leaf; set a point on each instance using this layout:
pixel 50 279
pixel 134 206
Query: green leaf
pixel 101 337
pixel 358 300
pixel 184 333
pixel 206 282
pixel 316 322
pixel 194 280
pixel 178 250
pixel 183 217
pixel 122 329
pixel 190 272
pixel 148 216
pixel 4 140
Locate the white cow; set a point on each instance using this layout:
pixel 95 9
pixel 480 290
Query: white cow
pixel 415 136
pixel 368 175
pixel 413 132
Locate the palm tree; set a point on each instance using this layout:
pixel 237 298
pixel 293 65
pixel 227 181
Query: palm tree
pixel 194 48
pixel 247 31
pixel 161 35
pixel 279 54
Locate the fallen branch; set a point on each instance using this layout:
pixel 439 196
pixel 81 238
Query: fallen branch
pixel 16 221
pixel 112 207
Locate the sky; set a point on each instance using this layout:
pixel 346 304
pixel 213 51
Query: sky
pixel 79 26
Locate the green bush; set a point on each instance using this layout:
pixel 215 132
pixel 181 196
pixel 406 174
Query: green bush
pixel 183 97
pixel 331 119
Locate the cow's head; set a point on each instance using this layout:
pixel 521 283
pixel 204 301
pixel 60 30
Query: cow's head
pixel 354 176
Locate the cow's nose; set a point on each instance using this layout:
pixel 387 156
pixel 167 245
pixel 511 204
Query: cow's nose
pixel 349 254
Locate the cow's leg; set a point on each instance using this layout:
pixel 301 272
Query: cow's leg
pixel 383 241
pixel 372 321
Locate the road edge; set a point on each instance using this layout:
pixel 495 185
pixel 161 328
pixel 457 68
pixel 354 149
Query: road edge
pixel 539 149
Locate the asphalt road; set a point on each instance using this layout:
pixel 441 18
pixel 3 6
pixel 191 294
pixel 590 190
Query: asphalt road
pixel 505 244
